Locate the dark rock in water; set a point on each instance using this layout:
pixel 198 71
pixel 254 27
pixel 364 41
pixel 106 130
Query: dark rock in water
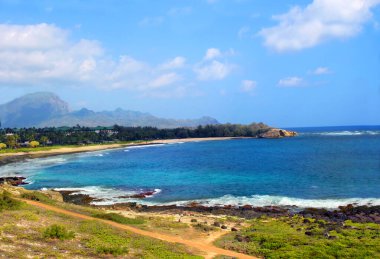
pixel 277 133
pixel 15 180
pixel 141 195
pixel 77 198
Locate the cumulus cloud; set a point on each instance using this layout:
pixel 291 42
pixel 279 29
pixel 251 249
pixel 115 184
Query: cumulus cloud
pixel 164 80
pixel 212 67
pixel 40 36
pixel 214 70
pixel 291 82
pixel 43 54
pixel 321 71
pixel 175 63
pixel 319 21
pixel 248 86
pixel 212 53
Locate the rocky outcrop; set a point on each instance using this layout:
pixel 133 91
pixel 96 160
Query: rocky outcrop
pixel 13 180
pixel 278 133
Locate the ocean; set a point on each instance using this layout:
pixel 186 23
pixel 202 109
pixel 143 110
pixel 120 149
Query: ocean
pixel 322 167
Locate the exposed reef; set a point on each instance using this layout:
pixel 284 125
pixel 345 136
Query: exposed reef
pixel 278 133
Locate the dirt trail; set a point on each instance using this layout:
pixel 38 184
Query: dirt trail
pixel 208 248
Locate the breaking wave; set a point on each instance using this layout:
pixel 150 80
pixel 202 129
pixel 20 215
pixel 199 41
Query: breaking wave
pixel 268 200
pixel 30 166
pixel 343 133
pixel 108 196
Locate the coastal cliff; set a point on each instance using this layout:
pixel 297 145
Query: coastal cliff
pixel 278 133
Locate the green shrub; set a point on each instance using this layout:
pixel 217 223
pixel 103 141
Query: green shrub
pixel 113 250
pixel 7 203
pixel 204 227
pixel 36 196
pixel 119 218
pixel 58 232
pixel 34 144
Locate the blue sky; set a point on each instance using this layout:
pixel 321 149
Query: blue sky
pixel 286 63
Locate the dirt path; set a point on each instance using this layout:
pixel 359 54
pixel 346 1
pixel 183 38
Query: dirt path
pixel 209 249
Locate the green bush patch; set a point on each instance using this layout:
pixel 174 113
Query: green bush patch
pixel 298 237
pixel 119 218
pixel 7 203
pixel 58 232
pixel 36 196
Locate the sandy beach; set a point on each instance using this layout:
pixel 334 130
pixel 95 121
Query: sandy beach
pixel 14 157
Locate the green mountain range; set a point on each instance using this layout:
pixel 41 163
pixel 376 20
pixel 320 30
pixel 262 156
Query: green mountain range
pixel 45 109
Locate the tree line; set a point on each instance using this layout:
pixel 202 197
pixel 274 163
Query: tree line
pixel 14 138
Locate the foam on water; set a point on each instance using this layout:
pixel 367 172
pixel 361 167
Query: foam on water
pixel 110 196
pixel 267 200
pixel 344 133
pixel 107 196
pixel 145 146
pixel 30 166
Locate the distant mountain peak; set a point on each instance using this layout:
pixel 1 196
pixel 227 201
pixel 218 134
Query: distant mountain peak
pixel 44 109
pixel 31 109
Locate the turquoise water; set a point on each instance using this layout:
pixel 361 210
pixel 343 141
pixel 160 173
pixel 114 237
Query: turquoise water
pixel 319 168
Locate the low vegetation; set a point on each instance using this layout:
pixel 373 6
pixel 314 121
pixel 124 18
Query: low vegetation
pixel 27 231
pixel 285 237
pixel 119 218
pixel 8 203
pixel 32 139
pixel 298 237
pixel 37 196
pixel 58 232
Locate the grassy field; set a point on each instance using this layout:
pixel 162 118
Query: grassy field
pixel 47 148
pixel 29 149
pixel 27 231
pixel 299 237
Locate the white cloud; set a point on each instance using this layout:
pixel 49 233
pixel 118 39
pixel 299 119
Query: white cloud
pixel 43 54
pixel 214 70
pixel 319 21
pixel 248 86
pixel 40 36
pixel 291 82
pixel 210 68
pixel 321 71
pixel 212 53
pixel 175 63
pixel 164 80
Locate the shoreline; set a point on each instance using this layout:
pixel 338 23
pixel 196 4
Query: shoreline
pixel 356 213
pixel 7 158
